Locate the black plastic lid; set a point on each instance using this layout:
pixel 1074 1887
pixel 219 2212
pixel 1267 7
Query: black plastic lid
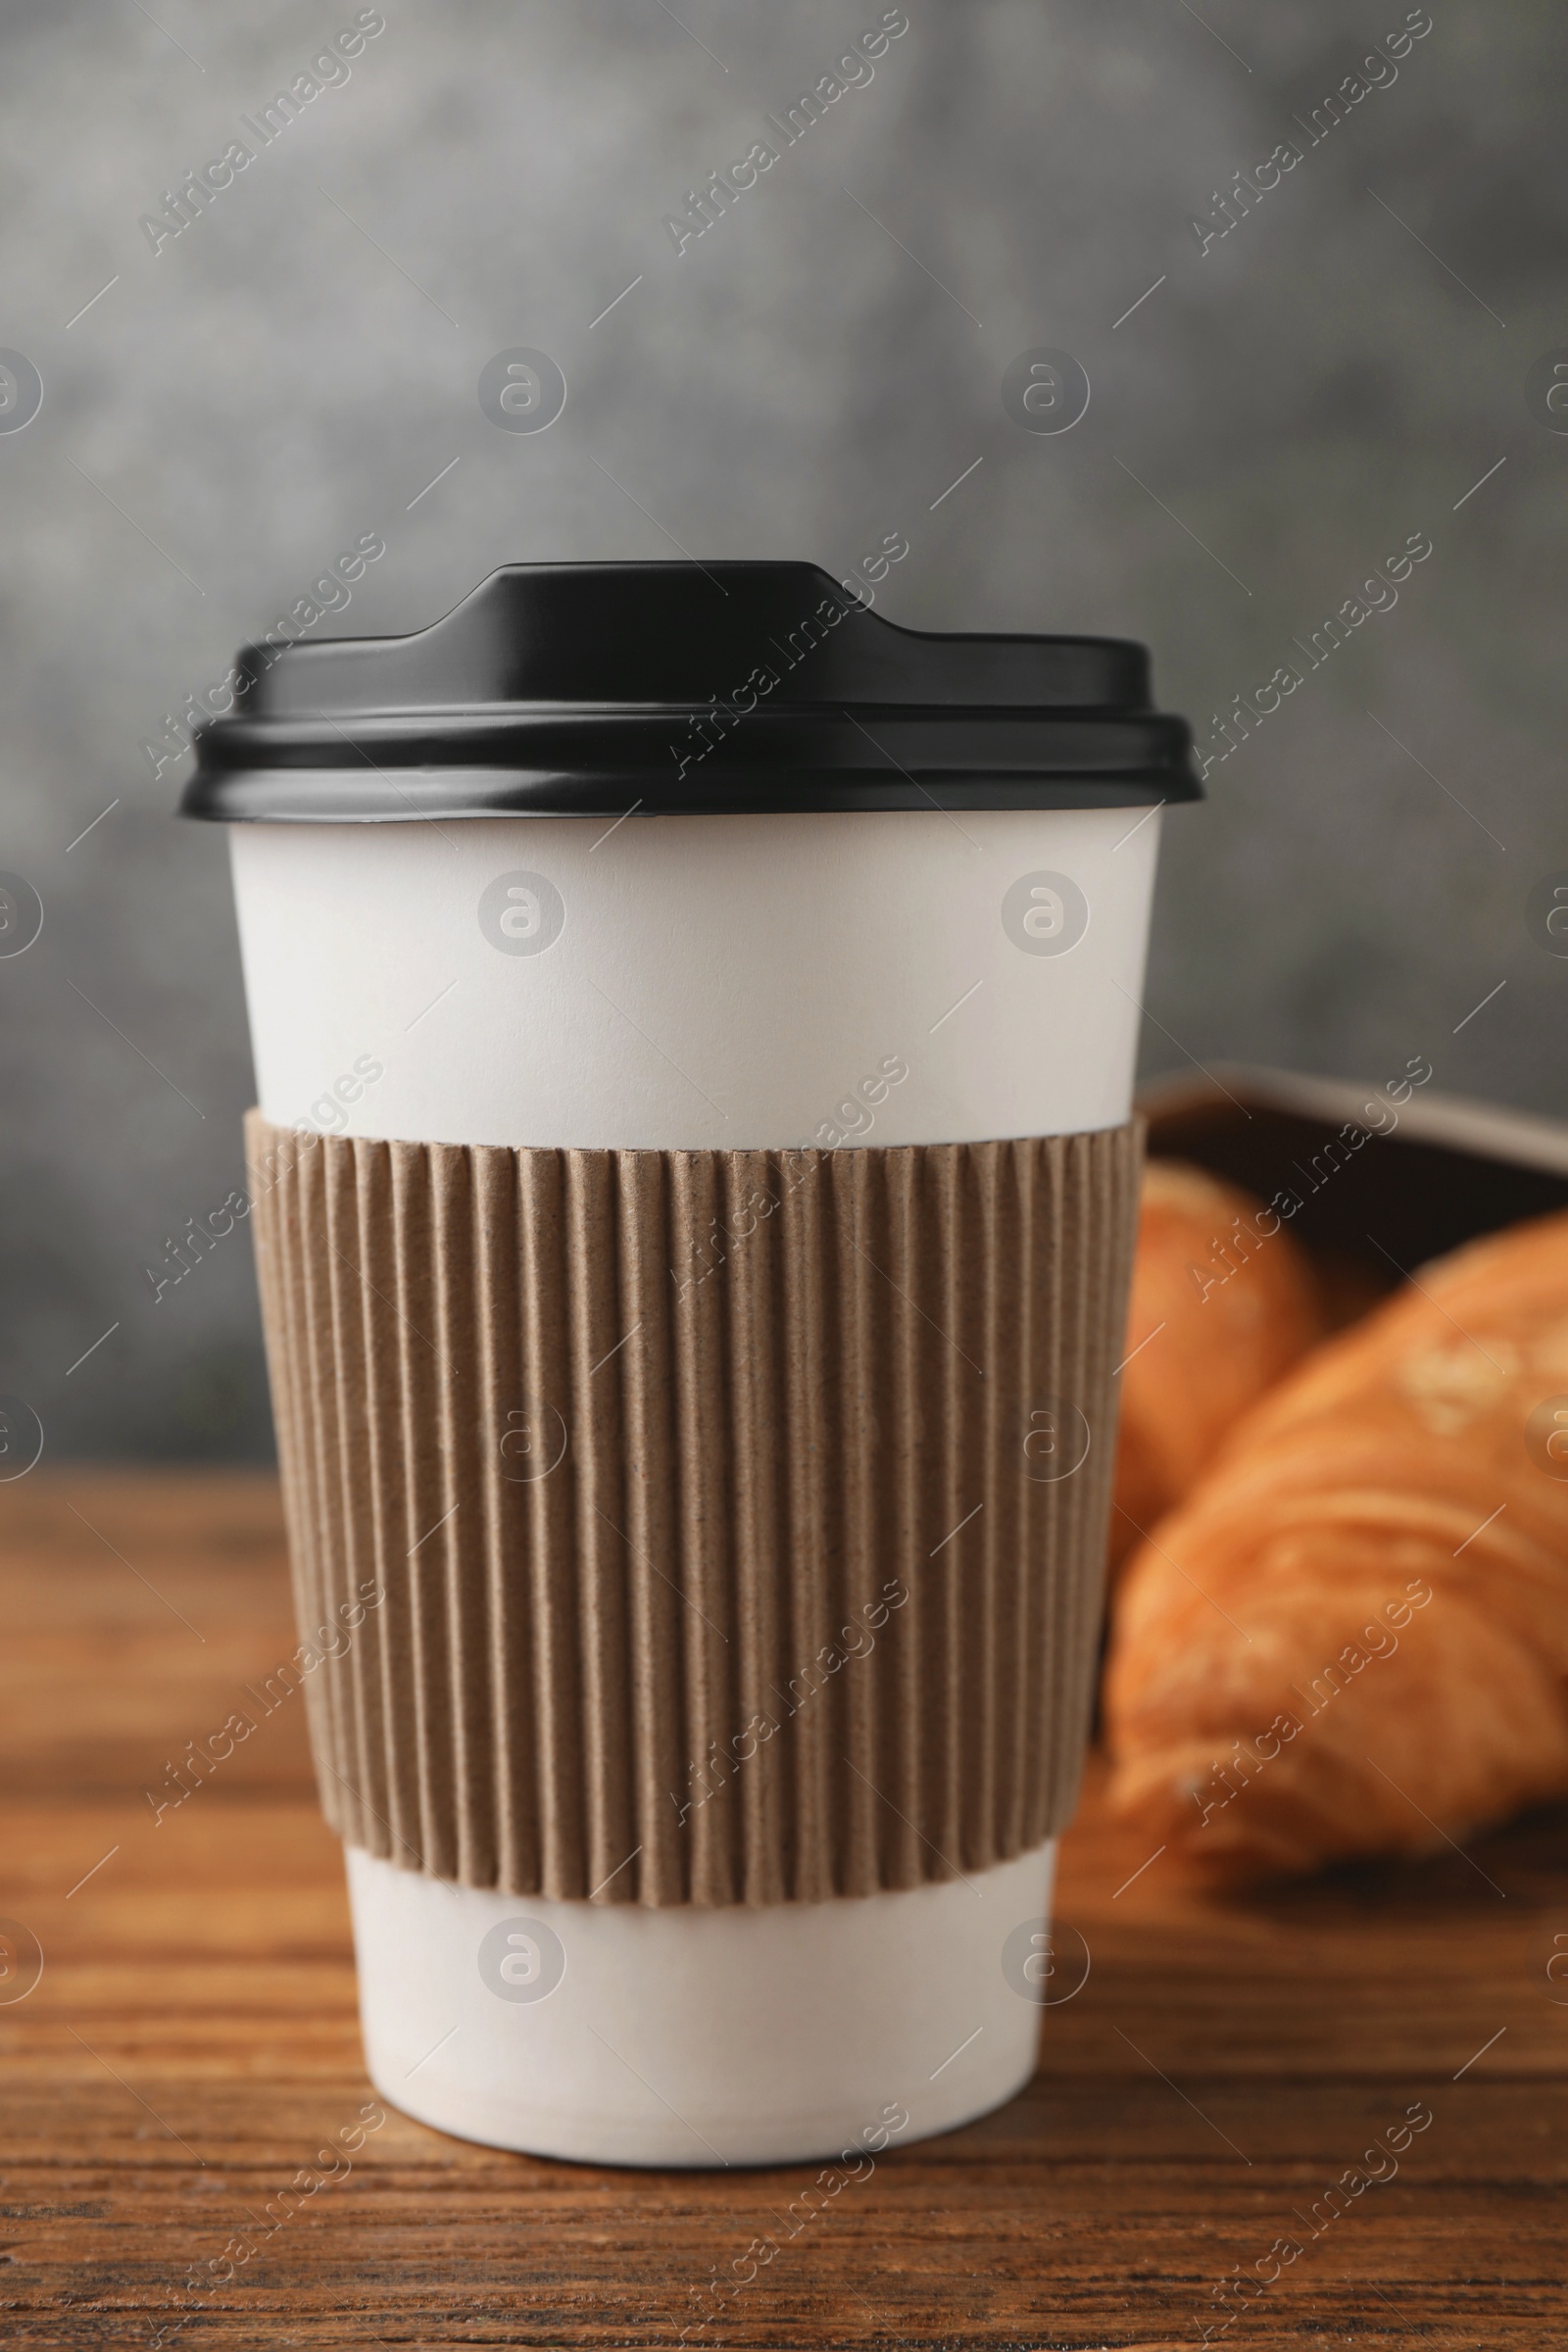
pixel 684 689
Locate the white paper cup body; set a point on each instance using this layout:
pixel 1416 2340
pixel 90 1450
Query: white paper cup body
pixel 698 983
pixel 683 2036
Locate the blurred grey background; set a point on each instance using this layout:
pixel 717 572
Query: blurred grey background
pixel 1286 406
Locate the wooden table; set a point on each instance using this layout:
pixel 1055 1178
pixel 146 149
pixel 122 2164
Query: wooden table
pixel 193 2043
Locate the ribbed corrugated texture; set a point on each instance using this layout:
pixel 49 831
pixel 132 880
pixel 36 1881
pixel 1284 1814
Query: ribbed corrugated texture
pixel 702 1499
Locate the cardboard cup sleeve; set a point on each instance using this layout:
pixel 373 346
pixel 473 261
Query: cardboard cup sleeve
pixel 696 1527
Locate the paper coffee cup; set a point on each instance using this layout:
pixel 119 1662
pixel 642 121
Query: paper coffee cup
pixel 694 1026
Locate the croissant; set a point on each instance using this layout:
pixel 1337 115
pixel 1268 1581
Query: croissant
pixel 1222 1304
pixel 1354 1637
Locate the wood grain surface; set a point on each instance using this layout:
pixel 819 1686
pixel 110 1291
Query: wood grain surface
pixel 192 2045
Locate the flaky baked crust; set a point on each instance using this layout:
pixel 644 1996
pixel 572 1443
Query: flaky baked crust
pixel 1353 1638
pixel 1222 1305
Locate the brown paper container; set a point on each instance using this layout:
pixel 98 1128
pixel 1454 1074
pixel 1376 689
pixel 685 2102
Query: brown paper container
pixel 697 1527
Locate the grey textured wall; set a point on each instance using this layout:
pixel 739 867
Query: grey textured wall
pixel 1291 402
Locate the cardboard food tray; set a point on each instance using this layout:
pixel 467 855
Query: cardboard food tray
pixel 1371 1211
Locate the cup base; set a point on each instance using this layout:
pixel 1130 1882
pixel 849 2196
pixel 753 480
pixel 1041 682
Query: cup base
pixel 693 2038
